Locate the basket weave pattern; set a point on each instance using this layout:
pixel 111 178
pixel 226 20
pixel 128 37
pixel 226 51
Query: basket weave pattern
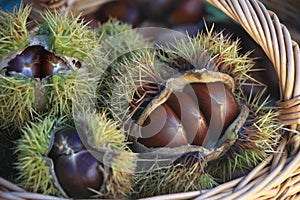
pixel 278 177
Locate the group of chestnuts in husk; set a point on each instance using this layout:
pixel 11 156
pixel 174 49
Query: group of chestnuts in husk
pixel 36 62
pixel 182 120
pixel 159 118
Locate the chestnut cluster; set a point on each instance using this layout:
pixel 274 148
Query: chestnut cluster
pixel 135 12
pixel 75 167
pixel 36 62
pixel 186 117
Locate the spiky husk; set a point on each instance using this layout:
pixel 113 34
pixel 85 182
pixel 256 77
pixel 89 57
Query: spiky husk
pixel 118 43
pixel 119 40
pixel 33 172
pixel 173 179
pixel 65 90
pixel 13 31
pixel 24 98
pixel 16 102
pixel 121 177
pixel 257 140
pixel 101 132
pixel 69 36
pixel 141 70
pixel 212 51
pixel 104 135
pixel 223 52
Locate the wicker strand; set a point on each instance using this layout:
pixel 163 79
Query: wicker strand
pixel 9 186
pixel 185 195
pixel 12 191
pixel 264 27
pixel 9 196
pixel 254 172
pixel 34 196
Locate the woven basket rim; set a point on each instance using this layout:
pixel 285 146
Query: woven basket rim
pixel 279 175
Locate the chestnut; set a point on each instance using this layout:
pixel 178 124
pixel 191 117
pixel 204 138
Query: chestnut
pixel 66 141
pixel 187 12
pixel 52 64
pixel 215 100
pixel 163 128
pixel 125 11
pixel 190 115
pixel 36 62
pixel 78 173
pixel 76 169
pixel 27 63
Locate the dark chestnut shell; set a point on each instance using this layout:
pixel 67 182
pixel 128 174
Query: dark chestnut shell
pixel 190 116
pixel 215 100
pixel 36 62
pixel 75 167
pixel 66 142
pixel 187 12
pixel 78 172
pixel 163 128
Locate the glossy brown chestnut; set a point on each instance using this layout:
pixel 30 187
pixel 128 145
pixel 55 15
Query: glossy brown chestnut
pixel 75 167
pixel 77 173
pixel 27 63
pixel 217 103
pixel 66 142
pixel 190 116
pixel 125 11
pixel 51 64
pixel 187 12
pixel 163 128
pixel 36 62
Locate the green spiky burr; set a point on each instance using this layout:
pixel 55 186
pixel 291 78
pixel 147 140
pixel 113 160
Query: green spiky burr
pixel 46 159
pixel 44 71
pixel 34 173
pixel 118 43
pixel 222 51
pixel 14 34
pixel 256 141
pixel 173 179
pixel 119 40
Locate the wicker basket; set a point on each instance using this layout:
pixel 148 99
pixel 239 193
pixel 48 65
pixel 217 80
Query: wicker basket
pixel 278 177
